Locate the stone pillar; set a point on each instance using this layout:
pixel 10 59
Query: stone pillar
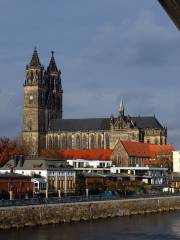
pixel 87 192
pixel 59 193
pixel 46 193
pixel 10 195
pixel 65 183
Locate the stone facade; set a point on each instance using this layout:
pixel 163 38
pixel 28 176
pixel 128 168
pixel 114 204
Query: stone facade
pixel 45 129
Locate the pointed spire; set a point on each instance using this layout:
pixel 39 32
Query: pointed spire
pixel 121 108
pixel 52 64
pixel 35 59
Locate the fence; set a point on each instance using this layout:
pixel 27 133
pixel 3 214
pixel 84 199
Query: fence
pixel 75 199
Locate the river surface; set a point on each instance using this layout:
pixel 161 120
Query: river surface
pixel 156 226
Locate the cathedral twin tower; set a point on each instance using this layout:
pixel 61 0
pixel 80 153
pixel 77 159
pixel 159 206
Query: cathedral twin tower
pixel 42 101
pixel 45 129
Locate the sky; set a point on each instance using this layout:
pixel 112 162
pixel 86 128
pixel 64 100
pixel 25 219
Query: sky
pixel 106 50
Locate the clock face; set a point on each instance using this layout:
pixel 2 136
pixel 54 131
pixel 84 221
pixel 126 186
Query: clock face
pixel 31 97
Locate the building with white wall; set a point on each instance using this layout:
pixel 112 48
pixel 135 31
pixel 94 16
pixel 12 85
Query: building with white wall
pixel 58 174
pixel 90 166
pixel 148 175
pixel 176 161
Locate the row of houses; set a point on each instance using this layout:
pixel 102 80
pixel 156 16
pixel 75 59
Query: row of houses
pixel 75 170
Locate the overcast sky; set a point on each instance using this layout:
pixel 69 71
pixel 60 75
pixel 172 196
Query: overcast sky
pixel 106 50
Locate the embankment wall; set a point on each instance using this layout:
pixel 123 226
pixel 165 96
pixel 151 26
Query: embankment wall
pixel 61 213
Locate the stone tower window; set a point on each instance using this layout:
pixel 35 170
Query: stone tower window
pixel 31 76
pixel 29 125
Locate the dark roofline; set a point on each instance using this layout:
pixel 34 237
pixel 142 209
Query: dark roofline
pixel 14 175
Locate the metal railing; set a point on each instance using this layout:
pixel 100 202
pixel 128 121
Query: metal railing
pixel 76 199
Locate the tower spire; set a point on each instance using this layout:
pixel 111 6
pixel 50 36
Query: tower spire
pixel 121 108
pixel 52 64
pixel 35 59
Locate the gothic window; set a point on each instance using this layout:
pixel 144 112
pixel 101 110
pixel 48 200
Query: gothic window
pixel 50 143
pixel 92 142
pixel 156 141
pixel 69 142
pixel 107 141
pixel 78 142
pixel 42 99
pixel 64 142
pixel 84 142
pixel 31 76
pixel 133 136
pixel 99 141
pixel 29 125
pixel 56 145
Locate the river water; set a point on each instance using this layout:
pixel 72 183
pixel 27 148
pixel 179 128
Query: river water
pixel 156 226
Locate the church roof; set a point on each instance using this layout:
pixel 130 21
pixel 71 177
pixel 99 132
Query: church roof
pixel 146 122
pixel 99 124
pixel 86 124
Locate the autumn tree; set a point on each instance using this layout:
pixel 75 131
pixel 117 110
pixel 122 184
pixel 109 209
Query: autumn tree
pixel 9 149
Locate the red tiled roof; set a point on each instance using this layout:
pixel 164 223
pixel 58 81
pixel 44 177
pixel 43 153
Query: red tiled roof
pixel 94 154
pixel 138 149
pixel 160 149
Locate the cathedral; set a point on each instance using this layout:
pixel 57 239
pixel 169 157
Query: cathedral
pixel 44 127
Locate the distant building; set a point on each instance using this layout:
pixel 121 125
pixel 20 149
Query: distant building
pixel 18 184
pixel 176 161
pixel 148 175
pixel 132 154
pixel 88 160
pixel 39 185
pixel 44 127
pixel 58 174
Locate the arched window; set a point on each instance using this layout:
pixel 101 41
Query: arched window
pixel 69 142
pixel 64 142
pixel 56 144
pixel 50 143
pixel 99 141
pixel 156 141
pixel 92 142
pixel 107 141
pixel 84 142
pixel 78 142
pixel 29 125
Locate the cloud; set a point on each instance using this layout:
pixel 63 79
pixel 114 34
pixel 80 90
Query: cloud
pixel 106 51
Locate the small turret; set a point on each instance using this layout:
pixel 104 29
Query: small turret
pixel 121 108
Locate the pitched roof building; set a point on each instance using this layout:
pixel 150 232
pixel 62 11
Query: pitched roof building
pixel 132 154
